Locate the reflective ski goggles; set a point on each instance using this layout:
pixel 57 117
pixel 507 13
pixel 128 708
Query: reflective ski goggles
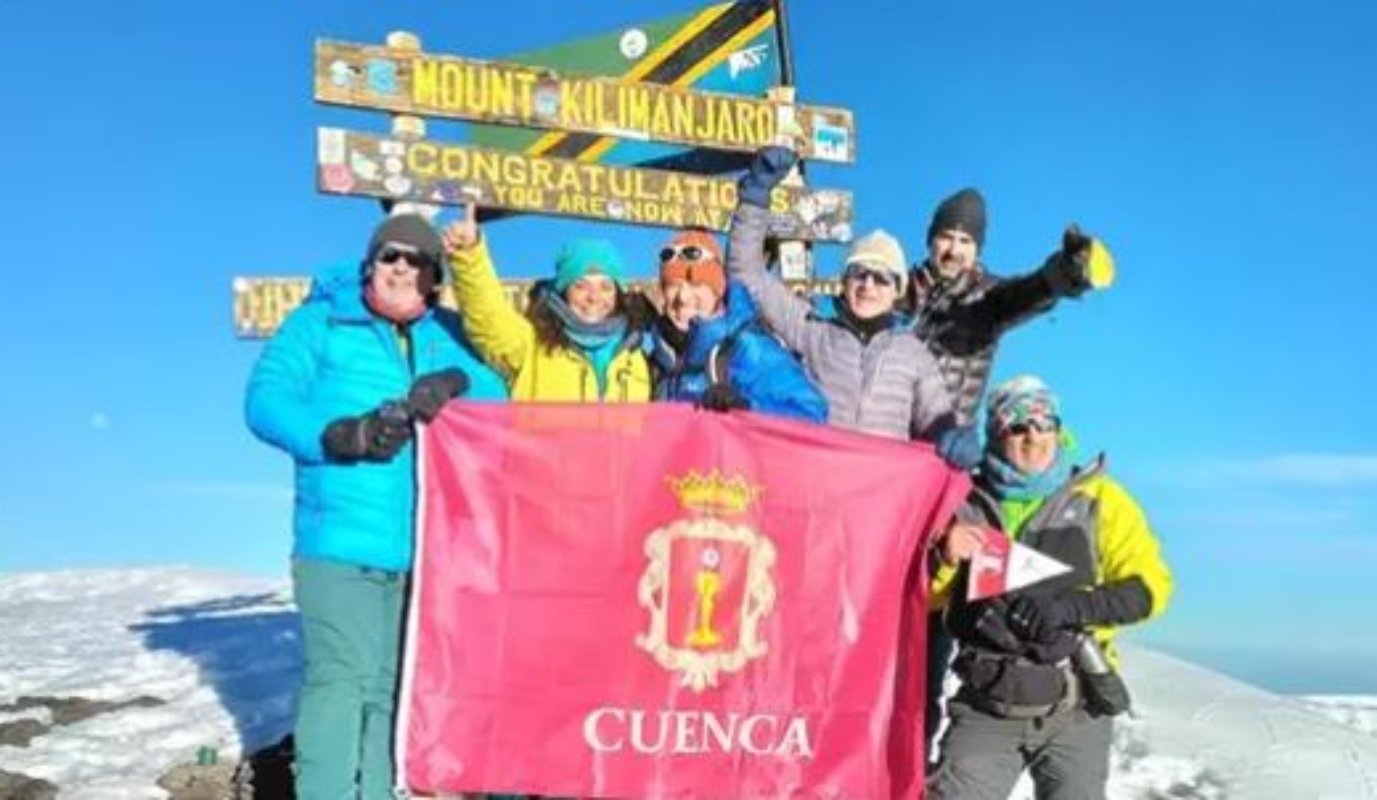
pixel 391 255
pixel 684 252
pixel 1031 424
pixel 875 276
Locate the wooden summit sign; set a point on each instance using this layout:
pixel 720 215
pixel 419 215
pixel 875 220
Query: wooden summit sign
pixel 511 94
pixel 400 169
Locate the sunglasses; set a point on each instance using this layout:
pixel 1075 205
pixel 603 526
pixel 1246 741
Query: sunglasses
pixel 686 252
pixel 1038 424
pixel 861 275
pixel 391 255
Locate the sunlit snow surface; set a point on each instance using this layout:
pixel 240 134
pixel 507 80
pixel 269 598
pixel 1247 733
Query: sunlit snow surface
pixel 223 652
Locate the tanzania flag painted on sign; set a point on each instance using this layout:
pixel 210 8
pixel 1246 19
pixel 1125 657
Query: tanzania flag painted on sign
pixel 653 601
pixel 728 47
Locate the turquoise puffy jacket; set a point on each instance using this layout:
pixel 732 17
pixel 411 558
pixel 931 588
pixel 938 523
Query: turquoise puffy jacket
pixel 332 358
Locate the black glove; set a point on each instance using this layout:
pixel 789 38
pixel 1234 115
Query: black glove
pixel 376 436
pixel 721 397
pixel 1040 617
pixel 1068 269
pixel 430 392
pixel 1061 645
pixel 768 168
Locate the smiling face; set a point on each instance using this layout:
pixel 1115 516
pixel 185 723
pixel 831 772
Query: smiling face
pixel 396 276
pixel 1031 445
pixel 952 252
pixel 592 298
pixel 870 292
pixel 686 301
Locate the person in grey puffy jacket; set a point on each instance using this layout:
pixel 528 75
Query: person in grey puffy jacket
pixel 877 376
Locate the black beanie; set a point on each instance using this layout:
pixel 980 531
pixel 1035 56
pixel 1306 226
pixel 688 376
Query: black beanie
pixel 413 230
pixel 963 211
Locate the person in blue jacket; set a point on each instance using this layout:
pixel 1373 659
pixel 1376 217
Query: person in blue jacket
pixel 710 348
pixel 340 388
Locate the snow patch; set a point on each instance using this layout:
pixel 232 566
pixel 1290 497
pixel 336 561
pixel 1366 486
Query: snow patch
pixel 223 652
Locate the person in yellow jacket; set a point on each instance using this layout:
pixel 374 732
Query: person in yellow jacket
pixel 580 339
pixel 1038 668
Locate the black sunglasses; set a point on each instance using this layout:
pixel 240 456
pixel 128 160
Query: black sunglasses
pixel 415 258
pixel 688 252
pixel 861 275
pixel 1039 424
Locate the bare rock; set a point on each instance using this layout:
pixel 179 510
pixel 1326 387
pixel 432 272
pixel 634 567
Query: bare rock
pixel 18 733
pixel 14 786
pixel 199 782
pixel 66 710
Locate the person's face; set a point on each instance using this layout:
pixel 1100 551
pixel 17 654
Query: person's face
pixel 685 302
pixel 870 292
pixel 592 298
pixel 396 274
pixel 1031 445
pixel 952 252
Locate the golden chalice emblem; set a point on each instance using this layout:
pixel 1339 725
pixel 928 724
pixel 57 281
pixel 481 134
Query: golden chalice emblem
pixel 708 583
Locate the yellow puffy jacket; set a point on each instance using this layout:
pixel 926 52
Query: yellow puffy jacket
pixel 1124 546
pixel 507 340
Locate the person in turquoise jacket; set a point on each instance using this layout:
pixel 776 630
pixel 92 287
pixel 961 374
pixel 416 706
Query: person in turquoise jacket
pixel 709 346
pixel 340 388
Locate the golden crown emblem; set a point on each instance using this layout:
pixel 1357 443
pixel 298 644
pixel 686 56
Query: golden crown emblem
pixel 714 492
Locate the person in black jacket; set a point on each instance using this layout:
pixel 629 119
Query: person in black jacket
pixel 961 311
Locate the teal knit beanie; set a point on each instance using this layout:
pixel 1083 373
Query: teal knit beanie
pixel 580 257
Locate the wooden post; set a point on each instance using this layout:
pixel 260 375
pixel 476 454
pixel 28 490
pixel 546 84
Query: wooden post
pixel 795 258
pixel 409 127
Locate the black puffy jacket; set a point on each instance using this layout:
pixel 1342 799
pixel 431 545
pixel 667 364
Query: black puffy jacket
pixel 962 319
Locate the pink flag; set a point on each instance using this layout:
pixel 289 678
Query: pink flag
pixel 648 600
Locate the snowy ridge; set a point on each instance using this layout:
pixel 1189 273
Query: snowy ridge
pixel 1353 711
pixel 223 652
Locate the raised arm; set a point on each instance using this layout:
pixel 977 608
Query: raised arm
pixel 1011 302
pixel 785 312
pixel 502 336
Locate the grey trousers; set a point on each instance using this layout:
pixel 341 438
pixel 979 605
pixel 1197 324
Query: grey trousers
pixel 1067 754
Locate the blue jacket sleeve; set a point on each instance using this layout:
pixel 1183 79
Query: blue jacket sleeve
pixel 277 405
pixel 773 381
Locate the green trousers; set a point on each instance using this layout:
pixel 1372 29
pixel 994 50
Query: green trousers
pixel 351 621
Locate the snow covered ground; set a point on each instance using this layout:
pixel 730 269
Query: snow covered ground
pixel 1357 712
pixel 222 651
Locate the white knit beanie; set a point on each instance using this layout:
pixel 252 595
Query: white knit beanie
pixel 878 250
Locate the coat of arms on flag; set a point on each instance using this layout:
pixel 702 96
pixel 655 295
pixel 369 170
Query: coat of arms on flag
pixel 708 585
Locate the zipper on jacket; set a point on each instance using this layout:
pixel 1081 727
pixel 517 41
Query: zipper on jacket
pixel 868 380
pixel 408 349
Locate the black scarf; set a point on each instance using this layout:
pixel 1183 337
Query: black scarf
pixel 865 328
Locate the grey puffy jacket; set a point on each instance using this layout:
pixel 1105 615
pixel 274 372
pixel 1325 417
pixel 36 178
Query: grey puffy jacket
pixel 888 386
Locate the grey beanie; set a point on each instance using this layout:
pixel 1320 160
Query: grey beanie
pixel 413 230
pixel 963 211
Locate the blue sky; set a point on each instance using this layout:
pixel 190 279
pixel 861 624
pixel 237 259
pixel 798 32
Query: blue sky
pixel 155 150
